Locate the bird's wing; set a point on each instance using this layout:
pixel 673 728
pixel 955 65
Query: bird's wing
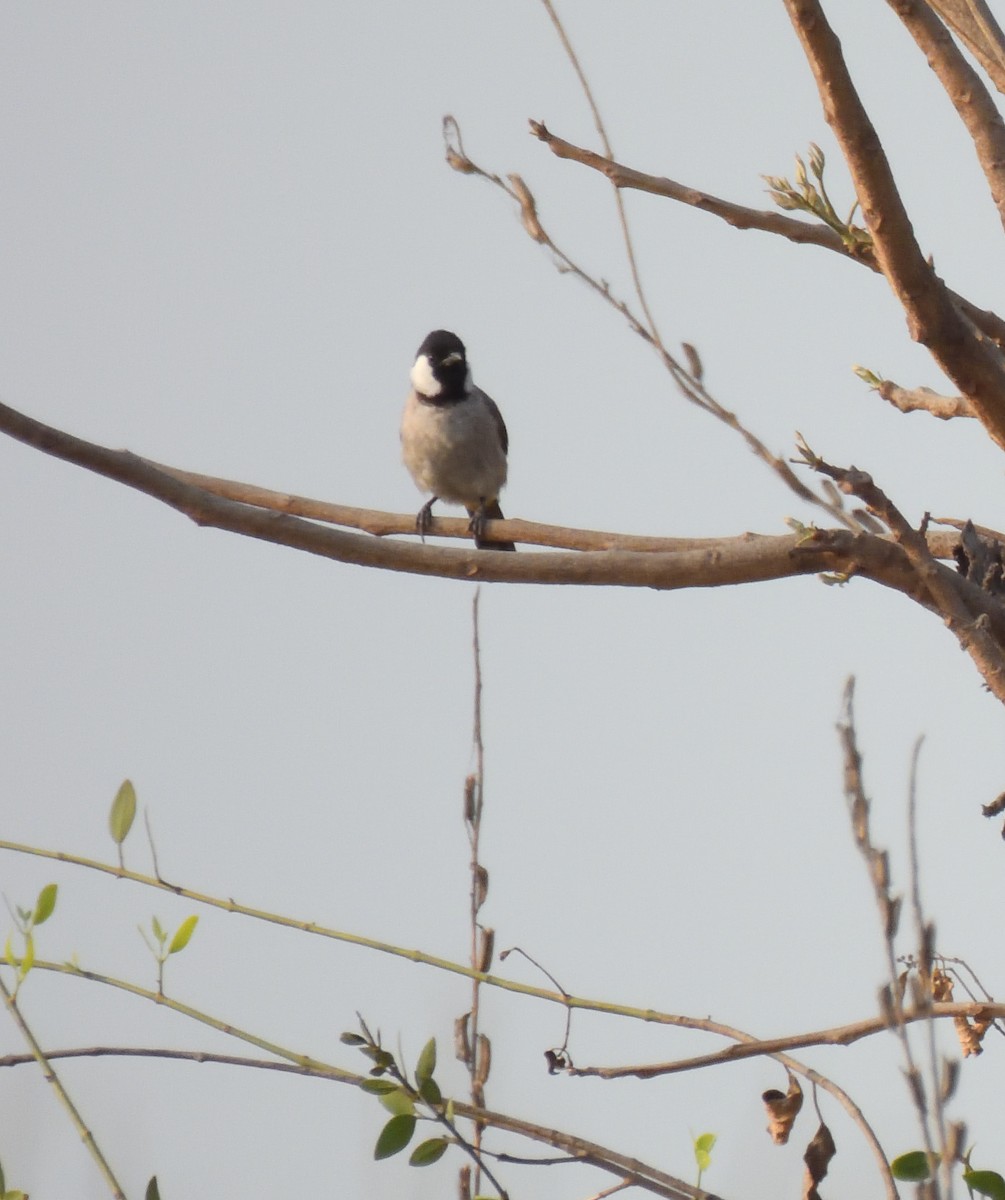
pixel 497 418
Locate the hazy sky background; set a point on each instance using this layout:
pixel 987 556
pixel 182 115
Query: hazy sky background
pixel 225 229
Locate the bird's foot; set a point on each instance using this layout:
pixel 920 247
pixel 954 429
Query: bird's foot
pixel 477 523
pixel 424 518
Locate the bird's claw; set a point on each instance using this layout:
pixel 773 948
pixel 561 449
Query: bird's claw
pixel 424 518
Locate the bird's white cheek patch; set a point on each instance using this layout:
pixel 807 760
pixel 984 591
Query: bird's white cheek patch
pixel 423 380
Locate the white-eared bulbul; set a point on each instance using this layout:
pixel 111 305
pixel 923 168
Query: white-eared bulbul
pixel 453 438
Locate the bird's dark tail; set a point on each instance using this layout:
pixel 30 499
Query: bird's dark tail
pixel 487 512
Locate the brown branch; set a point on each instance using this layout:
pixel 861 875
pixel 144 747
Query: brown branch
pixel 973 363
pixel 704 563
pixel 964 606
pixel 580 1151
pixel 841 1035
pixel 975 25
pixel 741 217
pixel 973 102
pixel 946 408
pixel 736 215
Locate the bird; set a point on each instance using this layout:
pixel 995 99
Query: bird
pixel 453 437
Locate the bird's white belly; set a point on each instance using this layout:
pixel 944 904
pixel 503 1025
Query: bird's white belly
pixel 453 451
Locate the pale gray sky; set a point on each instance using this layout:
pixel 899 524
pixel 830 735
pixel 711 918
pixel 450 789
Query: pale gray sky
pixel 225 229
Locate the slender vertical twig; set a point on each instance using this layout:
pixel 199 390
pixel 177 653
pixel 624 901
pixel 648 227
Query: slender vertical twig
pixel 475 1047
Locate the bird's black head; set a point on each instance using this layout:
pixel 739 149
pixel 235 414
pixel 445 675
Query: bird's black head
pixel 441 367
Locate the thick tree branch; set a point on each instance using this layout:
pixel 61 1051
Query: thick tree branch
pixel 704 563
pixel 975 25
pixel 970 360
pixel 965 88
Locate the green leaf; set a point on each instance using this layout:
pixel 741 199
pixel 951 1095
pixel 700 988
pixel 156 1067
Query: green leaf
pixel 120 819
pixel 911 1167
pixel 703 1150
pixel 28 961
pixel 395 1136
pixel 16 1194
pixel 398 1102
pixel 428 1152
pixel 183 935
pixel 158 929
pixel 45 903
pixel 352 1039
pixel 429 1090
pixel 426 1065
pixel 8 953
pixel 153 1192
pixel 378 1087
pixel 988 1183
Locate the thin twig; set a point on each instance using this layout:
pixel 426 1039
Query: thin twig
pixel 50 1076
pixel 598 121
pixel 739 216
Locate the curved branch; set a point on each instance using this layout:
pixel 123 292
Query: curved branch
pixel 702 563
pixel 974 365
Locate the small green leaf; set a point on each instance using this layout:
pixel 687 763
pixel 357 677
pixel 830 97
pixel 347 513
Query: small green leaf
pixel 428 1152
pixel 352 1039
pixel 988 1183
pixel 45 903
pixel 28 961
pixel 120 819
pixel 8 953
pixel 703 1150
pixel 398 1102
pixel 429 1090
pixel 153 1192
pixel 450 1111
pixel 911 1167
pixel 16 1194
pixel 426 1065
pixel 378 1087
pixel 183 934
pixel 158 929
pixel 395 1136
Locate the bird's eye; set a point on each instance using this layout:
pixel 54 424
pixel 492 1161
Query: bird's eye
pixel 451 358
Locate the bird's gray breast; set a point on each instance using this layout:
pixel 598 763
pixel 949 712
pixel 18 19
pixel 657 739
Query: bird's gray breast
pixel 454 450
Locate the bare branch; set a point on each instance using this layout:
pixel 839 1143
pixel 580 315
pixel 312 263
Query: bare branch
pixel 951 594
pixel 705 563
pixel 970 360
pixel 974 23
pixel 965 88
pixel 923 399
pixel 741 217
pixel 839 1035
